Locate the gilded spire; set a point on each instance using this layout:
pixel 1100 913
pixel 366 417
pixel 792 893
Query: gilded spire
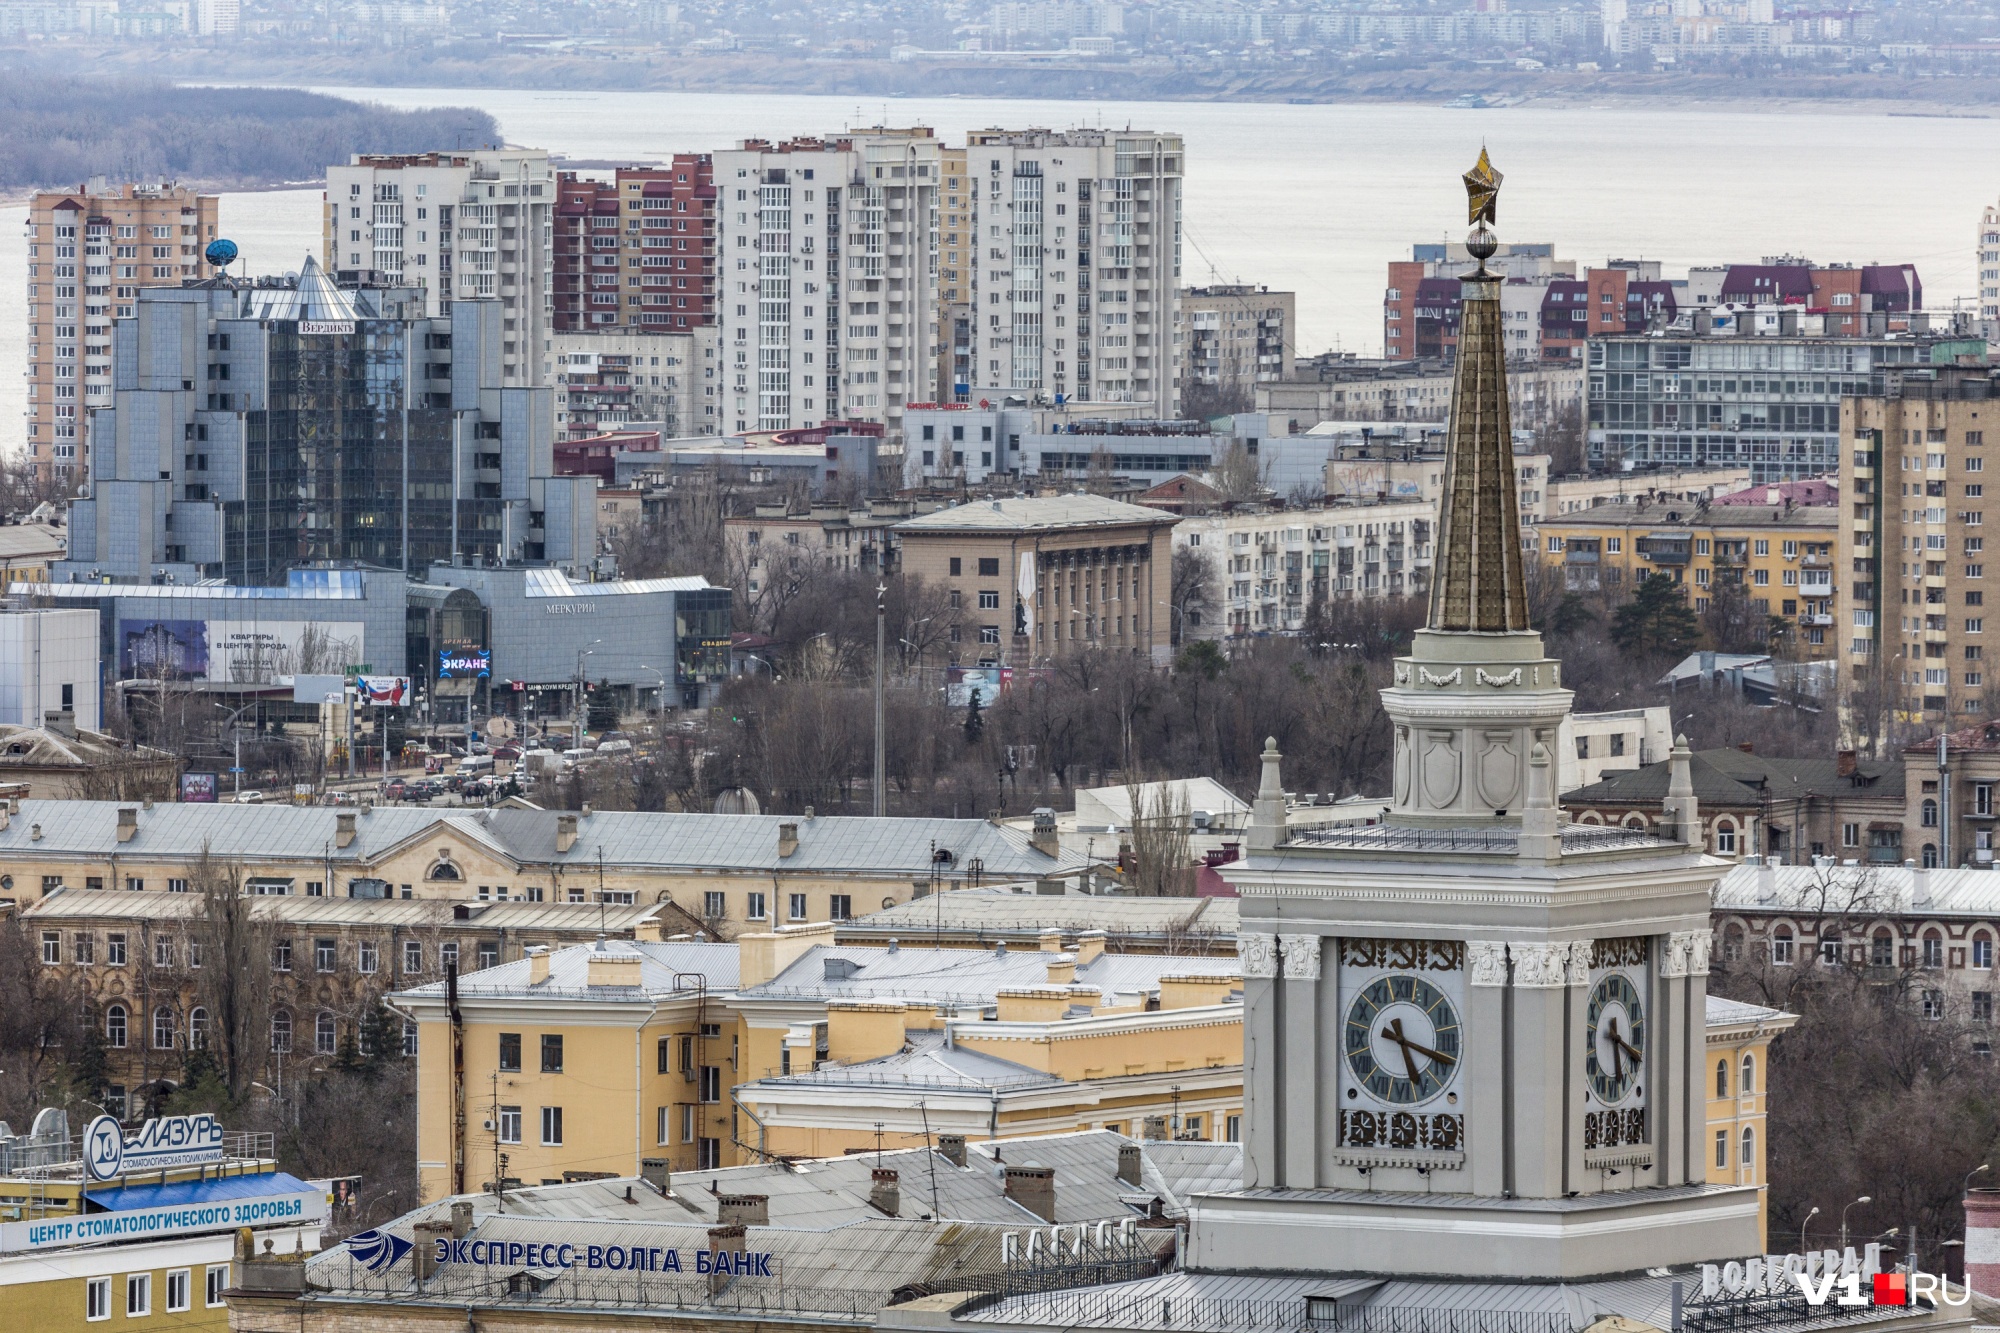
pixel 1479 584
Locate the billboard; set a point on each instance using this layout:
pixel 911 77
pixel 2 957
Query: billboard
pixel 244 652
pixel 198 788
pixel 961 683
pixel 384 691
pixel 470 662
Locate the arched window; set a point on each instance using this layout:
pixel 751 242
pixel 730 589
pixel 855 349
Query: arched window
pixel 1746 1082
pixel 1725 837
pixel 1732 942
pixel 1882 949
pixel 444 870
pixel 1930 858
pixel 198 1029
pixel 1722 1078
pixel 1930 812
pixel 281 1033
pixel 1782 946
pixel 325 1037
pixel 1982 951
pixel 114 1027
pixel 1749 1147
pixel 163 1029
pixel 1933 949
pixel 1635 820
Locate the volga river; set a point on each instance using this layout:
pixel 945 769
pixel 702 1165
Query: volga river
pixel 1316 199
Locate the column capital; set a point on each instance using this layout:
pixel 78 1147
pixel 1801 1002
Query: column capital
pixel 1301 956
pixel 1486 961
pixel 1687 953
pixel 1257 951
pixel 1540 966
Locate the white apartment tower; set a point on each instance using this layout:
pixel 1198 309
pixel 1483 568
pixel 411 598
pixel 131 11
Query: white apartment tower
pixel 1989 273
pixel 1075 247
pixel 827 267
pixel 461 226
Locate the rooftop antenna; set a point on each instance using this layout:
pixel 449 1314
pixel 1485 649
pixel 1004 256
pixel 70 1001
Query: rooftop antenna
pixel 221 253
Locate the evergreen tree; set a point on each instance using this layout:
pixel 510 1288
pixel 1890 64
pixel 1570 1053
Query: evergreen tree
pixel 1657 622
pixel 603 705
pixel 975 725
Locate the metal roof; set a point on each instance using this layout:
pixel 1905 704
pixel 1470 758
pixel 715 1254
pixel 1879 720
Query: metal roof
pixel 894 848
pixel 964 976
pixel 1012 910
pixel 1038 513
pixel 1859 892
pixel 70 903
pixel 555 583
pixel 925 1062
pixel 665 969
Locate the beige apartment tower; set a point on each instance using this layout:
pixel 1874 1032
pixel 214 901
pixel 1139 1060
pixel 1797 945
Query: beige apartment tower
pixel 89 252
pixel 1913 480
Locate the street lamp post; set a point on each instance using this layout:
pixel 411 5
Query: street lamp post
pixel 1802 1229
pixel 661 701
pixel 881 640
pixel 1843 1218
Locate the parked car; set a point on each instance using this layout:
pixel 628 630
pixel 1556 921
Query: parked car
pixel 395 789
pixel 252 797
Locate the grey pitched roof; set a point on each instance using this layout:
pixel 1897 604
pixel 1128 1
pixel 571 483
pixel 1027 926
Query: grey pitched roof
pixel 894 848
pixel 665 969
pixel 1729 777
pixel 963 976
pixel 1863 891
pixel 1725 1013
pixel 925 1062
pixel 1010 912
pixel 1037 513
pixel 73 904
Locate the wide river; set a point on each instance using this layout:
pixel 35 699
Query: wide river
pixel 1316 199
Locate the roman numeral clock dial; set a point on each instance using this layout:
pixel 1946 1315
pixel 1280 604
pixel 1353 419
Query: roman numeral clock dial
pixel 1401 1045
pixel 1616 1059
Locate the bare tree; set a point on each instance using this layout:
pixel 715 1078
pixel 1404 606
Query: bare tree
pixel 1236 475
pixel 234 982
pixel 1193 588
pixel 1161 864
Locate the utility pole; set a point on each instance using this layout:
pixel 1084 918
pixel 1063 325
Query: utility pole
pixel 881 637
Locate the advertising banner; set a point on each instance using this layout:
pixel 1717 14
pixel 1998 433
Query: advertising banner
pixel 198 788
pixel 384 691
pixel 252 652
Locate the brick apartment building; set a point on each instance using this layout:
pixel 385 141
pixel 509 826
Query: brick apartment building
pixel 637 252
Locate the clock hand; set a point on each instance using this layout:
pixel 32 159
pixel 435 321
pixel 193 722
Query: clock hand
pixel 1394 1032
pixel 1617 1052
pixel 1417 1046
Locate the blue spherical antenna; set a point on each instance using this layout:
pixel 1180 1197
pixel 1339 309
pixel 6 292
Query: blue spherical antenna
pixel 220 252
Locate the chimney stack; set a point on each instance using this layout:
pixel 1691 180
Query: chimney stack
pixel 657 1172
pixel 952 1148
pixel 1843 763
pixel 1130 1155
pixel 788 839
pixel 565 833
pixel 743 1210
pixel 1043 836
pixel 1089 947
pixel 884 1193
pixel 128 822
pixel 1033 1187
pixel 343 828
pixel 1049 939
pixel 538 964
pixel 723 1240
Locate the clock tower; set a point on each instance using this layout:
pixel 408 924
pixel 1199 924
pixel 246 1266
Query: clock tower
pixel 1474 1032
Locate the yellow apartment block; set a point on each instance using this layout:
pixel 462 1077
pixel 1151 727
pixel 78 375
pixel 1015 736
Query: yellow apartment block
pixel 1739 1041
pixel 1781 554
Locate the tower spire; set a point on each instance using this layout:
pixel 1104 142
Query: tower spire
pixel 1479 583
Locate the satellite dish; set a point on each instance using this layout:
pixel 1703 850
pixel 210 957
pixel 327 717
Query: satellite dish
pixel 221 252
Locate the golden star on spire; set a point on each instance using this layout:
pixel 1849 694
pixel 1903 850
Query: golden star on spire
pixel 1482 191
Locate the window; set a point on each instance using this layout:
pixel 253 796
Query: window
pixel 163 951
pixel 989 565
pixel 840 907
pixel 1232 1129
pixel 326 1034
pixel 1850 835
pixel 368 958
pixel 508 1127
pixel 323 955
pixel 413 956
pixel 1725 837
pixel 1781 946
pixel 552 1053
pixel 180 1291
pixel 1882 950
pixel 51 947
pixel 163 1029
pixel 448 954
pixel 1722 1148
pixel 114 1027
pixel 281 1033
pixel 714 904
pixel 1829 948
pixel 552 1126
pixel 711 1084
pixel 409 1038
pixel 754 907
pixel 1982 1006
pixel 281 956
pixel 1721 1081
pixel 1930 813
pixel 1933 950
pixel 707 1154
pixel 1749 1158
pixel 138 1294
pixel 97 1298
pixel 989 600
pixel 1982 951
pixel 83 948
pixel 197 1029
pixel 218 1282
pixel 1746 1082
pixel 510 1051
pixel 114 950
pixel 955 562
pixel 1933 1004
pixel 797 907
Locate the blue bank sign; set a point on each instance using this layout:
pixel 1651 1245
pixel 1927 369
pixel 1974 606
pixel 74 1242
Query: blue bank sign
pixel 614 1258
pixel 180 1140
pixel 184 1219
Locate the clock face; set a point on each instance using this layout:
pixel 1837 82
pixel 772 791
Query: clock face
pixel 1616 1035
pixel 1401 1041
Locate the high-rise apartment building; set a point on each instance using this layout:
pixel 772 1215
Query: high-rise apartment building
pixel 268 424
pixel 636 252
pixel 956 266
pixel 828 282
pixel 619 379
pixel 1235 335
pixel 1913 481
pixel 1076 254
pixel 90 251
pixel 458 226
pixel 1989 272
